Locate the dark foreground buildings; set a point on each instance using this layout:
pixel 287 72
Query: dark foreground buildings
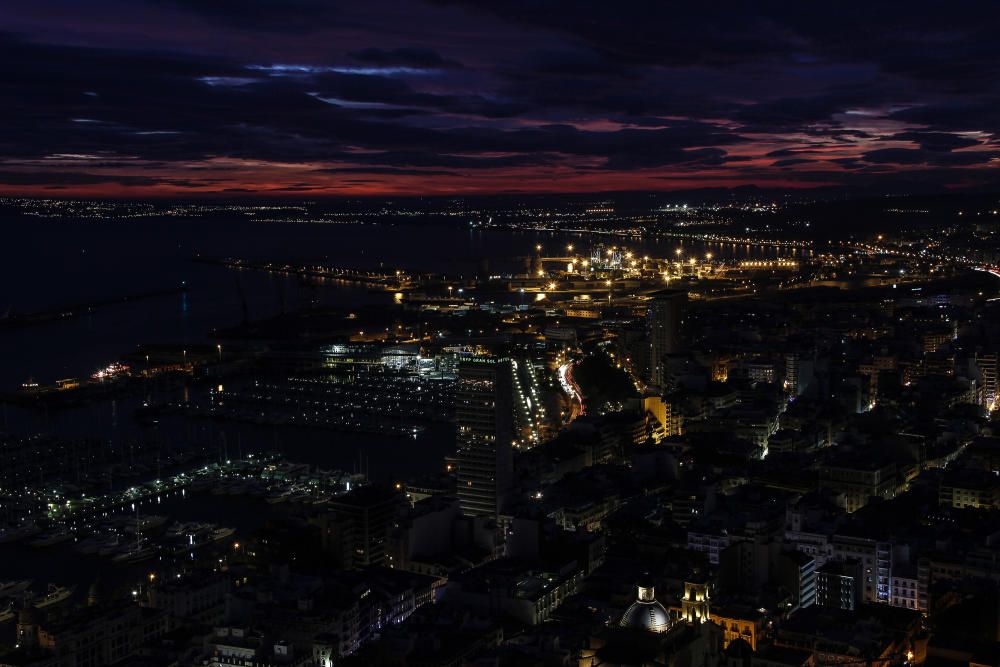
pixel 708 476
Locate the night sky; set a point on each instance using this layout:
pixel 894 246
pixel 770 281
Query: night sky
pixel 306 98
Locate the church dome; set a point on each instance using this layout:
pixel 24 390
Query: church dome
pixel 646 613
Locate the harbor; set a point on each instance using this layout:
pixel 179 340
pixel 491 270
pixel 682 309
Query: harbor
pixel 184 521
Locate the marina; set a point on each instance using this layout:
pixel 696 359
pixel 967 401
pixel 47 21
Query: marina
pixel 17 594
pixel 166 519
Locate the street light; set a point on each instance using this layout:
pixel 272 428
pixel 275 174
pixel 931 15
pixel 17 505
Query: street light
pixel 219 348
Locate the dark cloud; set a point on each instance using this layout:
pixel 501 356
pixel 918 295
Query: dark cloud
pixel 936 141
pixel 790 114
pixel 437 159
pixel 976 113
pixel 264 15
pixel 452 90
pixel 567 62
pixel 404 57
pixel 374 89
pixel 850 163
pixel 908 156
pixel 652 32
pixel 783 152
pixel 69 178
pixel 395 171
pixel 791 162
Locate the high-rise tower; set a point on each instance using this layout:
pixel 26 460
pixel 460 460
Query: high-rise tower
pixel 484 415
pixel 664 316
pixel 988 368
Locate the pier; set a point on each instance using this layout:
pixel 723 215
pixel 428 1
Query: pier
pixel 396 281
pixel 11 320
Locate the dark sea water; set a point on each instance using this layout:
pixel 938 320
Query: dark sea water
pixel 50 263
pixel 48 565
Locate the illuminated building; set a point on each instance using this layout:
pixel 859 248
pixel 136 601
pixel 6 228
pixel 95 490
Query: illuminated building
pixel 666 414
pixel 747 625
pixel 694 604
pixel 796 573
pixel 760 370
pixel 584 313
pixel 987 364
pixel 933 340
pixel 969 488
pixel 838 584
pixel 484 416
pixel 602 257
pixel 906 590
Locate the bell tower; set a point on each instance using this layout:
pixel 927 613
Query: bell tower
pixel 694 604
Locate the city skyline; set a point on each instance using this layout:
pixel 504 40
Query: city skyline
pixel 309 98
pixel 490 334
